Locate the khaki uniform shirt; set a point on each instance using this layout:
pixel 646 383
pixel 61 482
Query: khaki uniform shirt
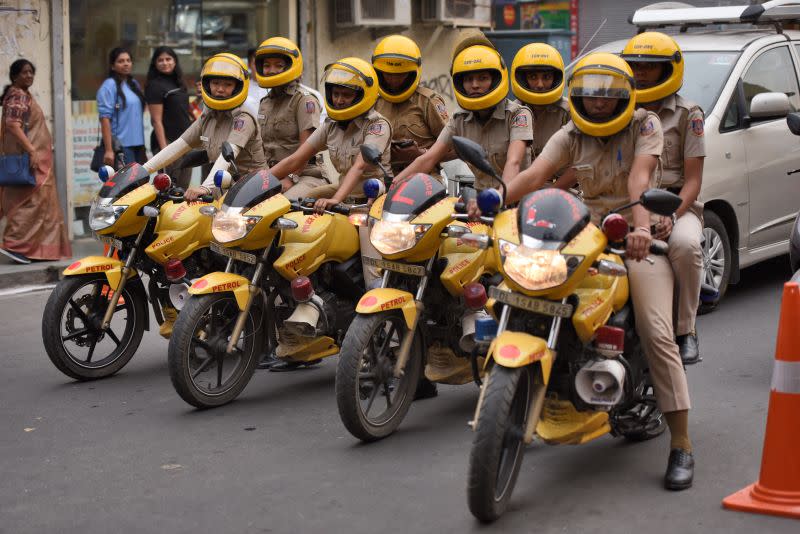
pixel 344 144
pixel 682 123
pixel 282 115
pixel 508 122
pixel 603 164
pixel 421 118
pixel 238 127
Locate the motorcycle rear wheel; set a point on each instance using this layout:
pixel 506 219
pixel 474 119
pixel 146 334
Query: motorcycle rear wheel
pixel 498 447
pixel 198 347
pixel 72 318
pixel 365 371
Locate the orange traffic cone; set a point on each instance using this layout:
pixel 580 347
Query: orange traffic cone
pixel 777 491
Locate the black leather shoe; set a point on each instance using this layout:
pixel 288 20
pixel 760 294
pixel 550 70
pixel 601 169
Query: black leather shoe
pixel 268 360
pixel 689 349
pixel 680 470
pixel 425 389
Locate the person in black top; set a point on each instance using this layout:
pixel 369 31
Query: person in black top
pixel 168 102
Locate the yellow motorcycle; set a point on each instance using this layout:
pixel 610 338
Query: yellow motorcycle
pixel 96 315
pixel 423 307
pixel 292 279
pixel 563 360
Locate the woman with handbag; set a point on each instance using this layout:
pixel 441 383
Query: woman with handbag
pixel 168 102
pixel 120 104
pixel 35 227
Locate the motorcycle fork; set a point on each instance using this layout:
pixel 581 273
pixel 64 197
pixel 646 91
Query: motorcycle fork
pixel 253 290
pixel 408 337
pixel 126 269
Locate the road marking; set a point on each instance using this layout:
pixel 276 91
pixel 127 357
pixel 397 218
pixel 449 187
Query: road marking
pixel 786 377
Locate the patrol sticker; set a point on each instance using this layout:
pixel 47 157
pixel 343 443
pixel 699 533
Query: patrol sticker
pixel 521 120
pixel 238 125
pixel 375 128
pixel 648 128
pixel 697 127
pixel 441 109
pixel 310 107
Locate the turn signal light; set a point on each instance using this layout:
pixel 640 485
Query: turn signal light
pixel 475 296
pixel 175 270
pixel 609 341
pixel 302 289
pixel 162 181
pixel 615 227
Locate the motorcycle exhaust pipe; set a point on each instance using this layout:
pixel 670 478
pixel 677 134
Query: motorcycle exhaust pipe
pixel 601 383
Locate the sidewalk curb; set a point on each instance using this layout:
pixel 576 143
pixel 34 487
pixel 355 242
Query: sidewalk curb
pixel 31 276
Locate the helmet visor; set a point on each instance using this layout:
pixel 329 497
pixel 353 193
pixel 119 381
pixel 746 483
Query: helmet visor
pixel 219 67
pixel 600 86
pixel 339 76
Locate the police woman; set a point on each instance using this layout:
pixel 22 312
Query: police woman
pixel 657 65
pixel 288 115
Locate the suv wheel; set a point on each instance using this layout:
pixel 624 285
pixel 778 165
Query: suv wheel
pixel 717 257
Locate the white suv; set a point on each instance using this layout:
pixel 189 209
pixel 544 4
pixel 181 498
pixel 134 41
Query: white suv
pixel 746 81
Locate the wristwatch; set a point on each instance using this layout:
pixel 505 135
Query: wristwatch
pixel 293 177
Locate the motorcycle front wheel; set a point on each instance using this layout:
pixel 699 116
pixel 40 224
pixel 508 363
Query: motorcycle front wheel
pixel 372 401
pixel 71 326
pixel 203 373
pixel 498 447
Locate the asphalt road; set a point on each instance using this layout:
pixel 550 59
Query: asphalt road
pixel 126 454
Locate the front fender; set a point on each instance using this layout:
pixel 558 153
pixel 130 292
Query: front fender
pixel 221 283
pixel 385 299
pixel 517 349
pixel 112 267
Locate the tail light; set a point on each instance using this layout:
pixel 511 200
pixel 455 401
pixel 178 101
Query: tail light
pixel 615 227
pixel 609 341
pixel 474 296
pixel 302 289
pixel 175 270
pixel 162 181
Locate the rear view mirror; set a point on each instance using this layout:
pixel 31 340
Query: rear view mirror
pixel 472 153
pixel 371 154
pixel 660 201
pixel 770 106
pixel 793 121
pixel 227 152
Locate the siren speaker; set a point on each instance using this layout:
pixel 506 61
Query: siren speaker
pixel 178 295
pixel 601 382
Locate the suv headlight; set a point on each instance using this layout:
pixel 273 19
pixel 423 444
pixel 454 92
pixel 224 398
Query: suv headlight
pixel 103 213
pixel 230 225
pixel 533 268
pixel 391 237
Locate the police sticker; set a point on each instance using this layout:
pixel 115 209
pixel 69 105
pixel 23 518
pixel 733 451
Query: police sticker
pixel 310 107
pixel 441 109
pixel 238 125
pixel 521 120
pixel 697 127
pixel 647 128
pixel 375 128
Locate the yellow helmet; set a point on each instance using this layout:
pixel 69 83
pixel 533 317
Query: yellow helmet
pixel 397 54
pixel 286 50
pixel 655 47
pixel 227 66
pixel 602 75
pixel 474 59
pixel 537 57
pixel 352 73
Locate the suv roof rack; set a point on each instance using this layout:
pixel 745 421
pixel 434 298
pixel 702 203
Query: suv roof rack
pixel 665 14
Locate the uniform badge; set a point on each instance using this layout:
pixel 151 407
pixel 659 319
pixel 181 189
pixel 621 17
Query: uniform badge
pixel 238 125
pixel 441 109
pixel 697 127
pixel 647 128
pixel 521 121
pixel 375 128
pixel 310 107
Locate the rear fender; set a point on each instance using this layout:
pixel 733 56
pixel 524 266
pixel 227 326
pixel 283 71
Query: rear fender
pixel 517 349
pixel 223 283
pixel 386 299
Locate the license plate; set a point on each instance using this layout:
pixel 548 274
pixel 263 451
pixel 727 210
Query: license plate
pixel 404 268
pixel 545 307
pixel 110 241
pixel 235 254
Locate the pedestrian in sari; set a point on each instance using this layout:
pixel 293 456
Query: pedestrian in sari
pixel 35 228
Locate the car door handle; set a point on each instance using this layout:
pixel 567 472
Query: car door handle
pixel 793 172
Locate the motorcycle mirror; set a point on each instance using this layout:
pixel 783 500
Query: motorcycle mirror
pixel 195 158
pixel 474 154
pixel 227 152
pixel 371 154
pixel 660 201
pixel 793 121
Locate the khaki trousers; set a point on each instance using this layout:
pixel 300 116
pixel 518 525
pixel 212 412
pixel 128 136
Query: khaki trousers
pixel 686 258
pixel 651 293
pixel 371 274
pixel 303 187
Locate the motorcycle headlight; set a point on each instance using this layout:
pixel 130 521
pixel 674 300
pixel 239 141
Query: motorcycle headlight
pixel 391 237
pixel 533 268
pixel 103 213
pixel 230 225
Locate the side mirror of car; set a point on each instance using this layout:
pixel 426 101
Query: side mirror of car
pixel 660 201
pixel 371 154
pixel 793 121
pixel 770 106
pixel 227 152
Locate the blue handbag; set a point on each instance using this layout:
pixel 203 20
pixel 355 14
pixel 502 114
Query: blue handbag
pixel 15 170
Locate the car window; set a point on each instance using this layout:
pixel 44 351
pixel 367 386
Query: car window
pixel 704 76
pixel 730 121
pixel 772 72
